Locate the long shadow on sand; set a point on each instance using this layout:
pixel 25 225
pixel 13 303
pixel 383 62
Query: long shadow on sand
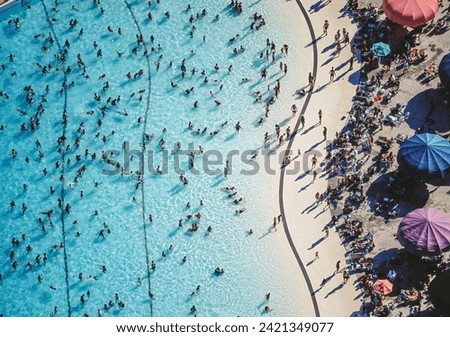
pixel 340 286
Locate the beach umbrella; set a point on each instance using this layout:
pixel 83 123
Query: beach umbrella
pixel 410 13
pixel 425 232
pixel 444 70
pixel 425 155
pixel 383 287
pixel 381 49
pixel 439 294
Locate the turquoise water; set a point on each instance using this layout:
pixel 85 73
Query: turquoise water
pixel 252 263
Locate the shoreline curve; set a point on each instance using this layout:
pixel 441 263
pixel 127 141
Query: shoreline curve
pixel 283 169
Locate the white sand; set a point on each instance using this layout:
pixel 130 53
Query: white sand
pixel 335 100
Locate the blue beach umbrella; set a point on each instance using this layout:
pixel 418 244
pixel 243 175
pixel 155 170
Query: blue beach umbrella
pixel 425 155
pixel 381 49
pixel 444 70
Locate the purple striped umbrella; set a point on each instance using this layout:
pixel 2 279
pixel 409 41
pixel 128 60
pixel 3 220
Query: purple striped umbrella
pixel 425 232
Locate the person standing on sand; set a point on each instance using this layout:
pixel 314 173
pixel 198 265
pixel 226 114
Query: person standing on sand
pixel 316 256
pixel 324 281
pixel 294 109
pixel 324 133
pixel 320 116
pixel 317 198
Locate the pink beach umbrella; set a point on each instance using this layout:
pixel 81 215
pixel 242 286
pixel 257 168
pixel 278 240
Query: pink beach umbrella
pixel 411 13
pixel 383 287
pixel 425 232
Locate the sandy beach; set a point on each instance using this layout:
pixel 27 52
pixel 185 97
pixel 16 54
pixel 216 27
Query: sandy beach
pixel 320 254
pixel 305 222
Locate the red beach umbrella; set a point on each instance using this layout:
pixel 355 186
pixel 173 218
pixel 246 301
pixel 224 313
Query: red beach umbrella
pixel 410 13
pixel 383 287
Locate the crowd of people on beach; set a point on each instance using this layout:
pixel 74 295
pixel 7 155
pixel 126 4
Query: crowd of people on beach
pixel 352 162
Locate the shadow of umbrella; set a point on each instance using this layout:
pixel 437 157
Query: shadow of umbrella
pixel 387 259
pixel 400 187
pixel 428 111
pixel 439 294
pixel 419 108
pixel 399 34
pixel 444 71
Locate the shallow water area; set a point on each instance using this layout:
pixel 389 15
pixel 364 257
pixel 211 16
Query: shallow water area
pixel 106 233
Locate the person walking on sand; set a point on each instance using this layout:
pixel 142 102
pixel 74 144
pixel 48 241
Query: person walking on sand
pixel 314 161
pixel 345 277
pixel 326 25
pixel 302 120
pixel 338 48
pixel 316 256
pixel 324 281
pixel 311 82
pixel 325 133
pixel 320 116
pixel 314 176
pixel 332 74
pixel 338 267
